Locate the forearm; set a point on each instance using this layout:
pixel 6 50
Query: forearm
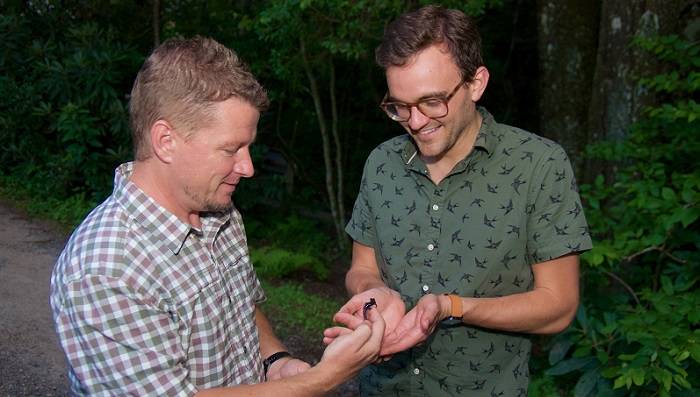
pixel 530 312
pixel 549 308
pixel 359 280
pixel 364 271
pixel 341 360
pixel 317 381
pixel 269 344
pixel 536 312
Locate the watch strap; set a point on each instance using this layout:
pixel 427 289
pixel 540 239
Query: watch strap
pixel 456 312
pixel 268 361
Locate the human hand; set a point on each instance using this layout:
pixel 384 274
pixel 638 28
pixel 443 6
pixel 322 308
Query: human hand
pixel 350 350
pixel 388 303
pixel 285 368
pixel 414 327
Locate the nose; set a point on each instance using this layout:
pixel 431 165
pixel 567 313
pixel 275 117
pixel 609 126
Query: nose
pixel 417 120
pixel 244 164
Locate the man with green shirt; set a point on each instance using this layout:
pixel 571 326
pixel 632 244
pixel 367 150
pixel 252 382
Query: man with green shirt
pixel 466 231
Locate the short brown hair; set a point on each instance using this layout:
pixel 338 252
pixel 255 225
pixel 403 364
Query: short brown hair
pixel 431 25
pixel 181 81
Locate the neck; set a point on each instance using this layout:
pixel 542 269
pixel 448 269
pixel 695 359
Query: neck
pixel 148 177
pixel 440 166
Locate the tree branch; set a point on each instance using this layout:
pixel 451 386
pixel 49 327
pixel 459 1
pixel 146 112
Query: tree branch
pixel 624 284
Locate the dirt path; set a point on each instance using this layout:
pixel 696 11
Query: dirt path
pixel 31 360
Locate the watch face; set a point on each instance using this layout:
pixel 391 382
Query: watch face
pixel 451 322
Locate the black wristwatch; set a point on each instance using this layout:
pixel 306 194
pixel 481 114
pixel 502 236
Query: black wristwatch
pixel 268 361
pixel 455 317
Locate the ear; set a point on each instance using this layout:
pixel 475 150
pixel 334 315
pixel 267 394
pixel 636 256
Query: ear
pixel 479 83
pixel 163 140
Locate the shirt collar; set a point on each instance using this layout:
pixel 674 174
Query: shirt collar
pixel 153 217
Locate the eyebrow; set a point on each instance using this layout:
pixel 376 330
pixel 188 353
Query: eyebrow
pixel 237 143
pixel 434 94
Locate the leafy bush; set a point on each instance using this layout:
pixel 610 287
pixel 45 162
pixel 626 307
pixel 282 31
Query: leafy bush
pixel 289 246
pixel 637 332
pixel 68 213
pixel 273 263
pixel 63 103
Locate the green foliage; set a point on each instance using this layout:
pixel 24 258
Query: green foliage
pixel 265 187
pixel 668 342
pixel 290 246
pixel 335 39
pixel 63 103
pixel 637 332
pixel 299 311
pixel 544 386
pixel 67 212
pixel 276 263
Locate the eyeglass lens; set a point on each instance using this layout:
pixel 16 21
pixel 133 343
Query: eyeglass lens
pixel 433 108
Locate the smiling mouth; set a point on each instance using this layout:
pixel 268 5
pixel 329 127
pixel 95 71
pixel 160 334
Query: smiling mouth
pixel 428 131
pixel 229 185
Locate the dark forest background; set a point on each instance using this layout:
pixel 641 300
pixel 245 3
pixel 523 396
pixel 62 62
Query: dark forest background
pixel 616 83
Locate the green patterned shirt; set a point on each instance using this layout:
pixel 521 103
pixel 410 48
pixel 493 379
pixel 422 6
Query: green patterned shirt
pixel 511 203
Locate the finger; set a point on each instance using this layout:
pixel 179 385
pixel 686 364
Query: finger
pixel 361 334
pixel 352 306
pixel 380 359
pixel 391 349
pixel 335 332
pixel 348 320
pixel 396 342
pixel 402 342
pixel 378 324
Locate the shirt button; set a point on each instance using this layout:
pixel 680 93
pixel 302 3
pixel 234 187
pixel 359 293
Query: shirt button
pixel 431 247
pixel 426 288
pixel 416 371
pixel 435 207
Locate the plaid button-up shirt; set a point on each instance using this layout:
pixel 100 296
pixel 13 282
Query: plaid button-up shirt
pixel 145 304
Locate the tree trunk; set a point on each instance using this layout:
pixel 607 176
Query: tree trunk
pixel 340 180
pixel 567 33
pixel 589 69
pixel 617 101
pixel 334 200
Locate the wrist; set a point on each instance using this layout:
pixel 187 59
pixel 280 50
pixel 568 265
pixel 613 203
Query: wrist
pixel 275 360
pixel 453 316
pixel 445 306
pixel 330 375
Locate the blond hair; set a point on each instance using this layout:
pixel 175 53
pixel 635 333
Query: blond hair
pixel 181 81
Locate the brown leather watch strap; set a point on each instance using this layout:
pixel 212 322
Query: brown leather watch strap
pixel 456 306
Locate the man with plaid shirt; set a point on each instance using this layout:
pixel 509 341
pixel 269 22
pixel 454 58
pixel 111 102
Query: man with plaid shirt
pixel 154 293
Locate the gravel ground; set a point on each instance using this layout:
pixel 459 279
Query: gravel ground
pixel 31 360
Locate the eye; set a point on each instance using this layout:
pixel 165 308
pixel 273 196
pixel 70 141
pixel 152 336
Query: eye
pixel 400 107
pixel 431 103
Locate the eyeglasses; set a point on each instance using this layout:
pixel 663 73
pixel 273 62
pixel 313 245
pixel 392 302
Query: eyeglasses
pixel 434 108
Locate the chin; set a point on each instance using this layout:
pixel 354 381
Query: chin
pixel 429 151
pixel 219 207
